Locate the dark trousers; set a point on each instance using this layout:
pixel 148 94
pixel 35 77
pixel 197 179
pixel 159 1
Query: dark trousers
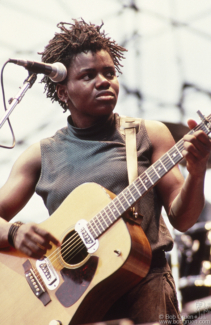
pixel 152 300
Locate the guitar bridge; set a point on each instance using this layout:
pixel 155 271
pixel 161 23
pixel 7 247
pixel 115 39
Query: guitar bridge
pixel 35 284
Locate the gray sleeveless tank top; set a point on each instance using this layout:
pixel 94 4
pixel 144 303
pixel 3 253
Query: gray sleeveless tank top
pixel 98 154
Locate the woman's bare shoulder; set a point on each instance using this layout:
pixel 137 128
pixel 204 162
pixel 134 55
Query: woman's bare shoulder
pixel 160 137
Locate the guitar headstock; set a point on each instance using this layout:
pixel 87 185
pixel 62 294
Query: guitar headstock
pixel 205 122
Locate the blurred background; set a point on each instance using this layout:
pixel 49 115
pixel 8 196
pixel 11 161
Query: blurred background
pixel 166 76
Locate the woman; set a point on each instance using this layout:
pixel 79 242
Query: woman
pixel 92 149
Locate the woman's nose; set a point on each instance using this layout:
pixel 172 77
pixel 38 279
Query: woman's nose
pixel 102 82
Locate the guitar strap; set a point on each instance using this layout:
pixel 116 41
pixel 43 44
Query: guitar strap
pixel 130 127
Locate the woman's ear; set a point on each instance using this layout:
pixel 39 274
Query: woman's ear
pixel 62 92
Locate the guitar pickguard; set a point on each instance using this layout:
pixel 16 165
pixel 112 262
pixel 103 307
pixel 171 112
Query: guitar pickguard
pixel 76 281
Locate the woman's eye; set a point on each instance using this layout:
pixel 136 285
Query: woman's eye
pixel 110 74
pixel 88 76
pixel 107 74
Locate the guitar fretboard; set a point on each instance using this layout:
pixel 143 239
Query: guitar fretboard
pixel 132 193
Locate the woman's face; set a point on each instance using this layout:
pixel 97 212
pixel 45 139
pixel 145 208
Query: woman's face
pixel 92 87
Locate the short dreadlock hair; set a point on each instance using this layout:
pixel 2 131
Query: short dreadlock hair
pixel 73 39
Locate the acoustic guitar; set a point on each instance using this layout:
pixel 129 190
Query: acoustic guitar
pixel 103 254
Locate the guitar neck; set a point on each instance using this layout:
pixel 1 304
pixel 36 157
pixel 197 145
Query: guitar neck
pixel 132 193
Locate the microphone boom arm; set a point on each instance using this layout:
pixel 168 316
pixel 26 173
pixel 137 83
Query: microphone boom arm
pixel 28 83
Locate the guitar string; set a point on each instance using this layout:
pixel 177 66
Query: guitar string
pixel 167 161
pixel 65 247
pixel 179 145
pixel 37 274
pixel 65 252
pixel 80 246
pixel 79 249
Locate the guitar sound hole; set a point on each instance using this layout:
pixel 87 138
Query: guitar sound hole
pixel 73 249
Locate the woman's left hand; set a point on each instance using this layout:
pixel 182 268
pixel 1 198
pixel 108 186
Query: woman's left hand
pixel 197 148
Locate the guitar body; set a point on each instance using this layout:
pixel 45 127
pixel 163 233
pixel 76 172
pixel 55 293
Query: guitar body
pixel 120 262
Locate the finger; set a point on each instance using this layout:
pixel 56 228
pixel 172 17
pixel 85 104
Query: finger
pixel 29 247
pixel 33 241
pixel 198 143
pixel 34 250
pixel 190 158
pixel 26 250
pixel 191 124
pixel 38 241
pixel 48 237
pixel 191 150
pixel 202 136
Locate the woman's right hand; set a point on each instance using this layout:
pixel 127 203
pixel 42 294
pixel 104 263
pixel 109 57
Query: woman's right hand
pixel 34 241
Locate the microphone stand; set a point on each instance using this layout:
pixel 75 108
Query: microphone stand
pixel 28 83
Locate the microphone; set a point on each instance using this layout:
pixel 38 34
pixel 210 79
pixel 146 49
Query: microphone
pixel 57 72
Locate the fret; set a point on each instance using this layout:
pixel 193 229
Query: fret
pixel 150 179
pixel 123 200
pixel 114 210
pixel 153 175
pixel 134 191
pixel 143 183
pixel 163 164
pixel 110 213
pixel 178 149
pixel 102 220
pixel 180 143
pixel 106 216
pixel 170 158
pixel 134 183
pixel 140 185
pixel 92 229
pixel 160 168
pixel 99 224
pixel 131 190
pixel 128 195
pixel 174 154
pixel 158 176
pixel 118 204
pixel 95 226
pixel 166 162
pixel 146 180
pixel 192 131
pixel 205 128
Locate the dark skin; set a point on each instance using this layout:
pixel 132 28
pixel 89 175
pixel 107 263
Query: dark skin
pixel 91 93
pixel 92 88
